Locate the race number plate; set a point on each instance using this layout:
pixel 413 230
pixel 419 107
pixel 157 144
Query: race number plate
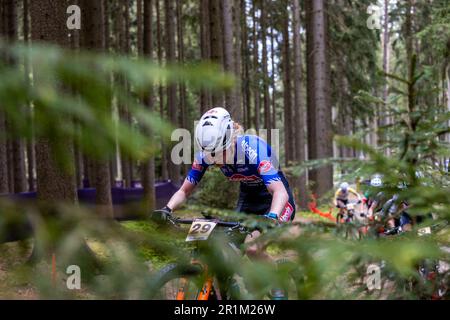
pixel 424 231
pixel 200 230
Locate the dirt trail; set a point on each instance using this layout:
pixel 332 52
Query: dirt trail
pixel 12 285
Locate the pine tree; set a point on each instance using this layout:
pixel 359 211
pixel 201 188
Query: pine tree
pixel 299 111
pixel 148 170
pixel 93 38
pixel 174 170
pixel 265 71
pixel 318 94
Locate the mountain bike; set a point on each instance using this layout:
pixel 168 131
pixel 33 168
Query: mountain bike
pixel 348 221
pixel 195 280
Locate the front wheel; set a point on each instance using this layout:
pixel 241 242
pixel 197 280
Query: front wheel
pixel 178 282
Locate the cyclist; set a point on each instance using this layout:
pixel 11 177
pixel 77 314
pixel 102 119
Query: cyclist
pixel 374 203
pixel 395 211
pixel 264 190
pixel 341 196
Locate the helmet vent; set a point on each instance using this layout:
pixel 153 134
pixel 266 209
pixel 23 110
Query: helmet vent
pixel 207 123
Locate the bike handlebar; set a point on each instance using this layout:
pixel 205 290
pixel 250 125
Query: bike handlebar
pixel 219 222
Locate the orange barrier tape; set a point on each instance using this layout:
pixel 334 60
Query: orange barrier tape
pixel 313 207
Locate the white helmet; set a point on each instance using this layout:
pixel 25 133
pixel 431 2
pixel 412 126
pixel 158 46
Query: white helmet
pixel 376 181
pixel 214 131
pixel 344 186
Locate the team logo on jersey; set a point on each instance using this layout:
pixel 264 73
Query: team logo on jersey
pixel 287 213
pixel 241 169
pixel 241 177
pixel 264 167
pixel 197 166
pixel 249 151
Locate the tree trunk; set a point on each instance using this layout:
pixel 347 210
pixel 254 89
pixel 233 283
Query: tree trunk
pixel 287 95
pixel 408 31
pixel 238 60
pixel 10 154
pixel 4 185
pixel 17 156
pixel 93 38
pixel 164 156
pixel 265 72
pixel 245 65
pixel 447 76
pixel 215 28
pixel 78 166
pixel 174 170
pixel 139 27
pixel 182 86
pixel 183 117
pixel 30 143
pixel 123 34
pixel 384 118
pixel 272 60
pixel 299 109
pixel 106 24
pixel 256 88
pixel 55 184
pixel 148 170
pixel 205 50
pixel 229 63
pixel 318 92
pixel 19 166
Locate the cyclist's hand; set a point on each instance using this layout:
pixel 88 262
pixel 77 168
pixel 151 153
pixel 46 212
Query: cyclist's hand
pixel 273 217
pixel 161 215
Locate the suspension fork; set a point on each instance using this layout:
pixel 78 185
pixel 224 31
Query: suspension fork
pixel 184 284
pixel 181 294
pixel 206 289
pixel 204 292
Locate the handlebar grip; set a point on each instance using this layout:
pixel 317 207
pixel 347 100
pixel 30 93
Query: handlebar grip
pixel 160 215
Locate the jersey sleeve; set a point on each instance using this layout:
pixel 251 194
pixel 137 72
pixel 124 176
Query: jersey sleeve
pixel 267 163
pixel 198 169
pixel 336 194
pixel 354 192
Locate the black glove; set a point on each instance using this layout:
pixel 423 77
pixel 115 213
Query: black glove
pixel 161 215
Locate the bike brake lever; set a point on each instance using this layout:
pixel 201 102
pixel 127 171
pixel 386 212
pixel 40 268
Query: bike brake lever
pixel 173 221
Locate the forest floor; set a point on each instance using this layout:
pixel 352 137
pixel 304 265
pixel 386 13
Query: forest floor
pixel 16 282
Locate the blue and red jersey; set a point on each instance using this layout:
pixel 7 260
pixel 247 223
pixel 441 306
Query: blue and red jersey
pixel 255 167
pixel 253 164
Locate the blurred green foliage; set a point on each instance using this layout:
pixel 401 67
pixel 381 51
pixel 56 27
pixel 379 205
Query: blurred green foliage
pixel 70 90
pixel 215 191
